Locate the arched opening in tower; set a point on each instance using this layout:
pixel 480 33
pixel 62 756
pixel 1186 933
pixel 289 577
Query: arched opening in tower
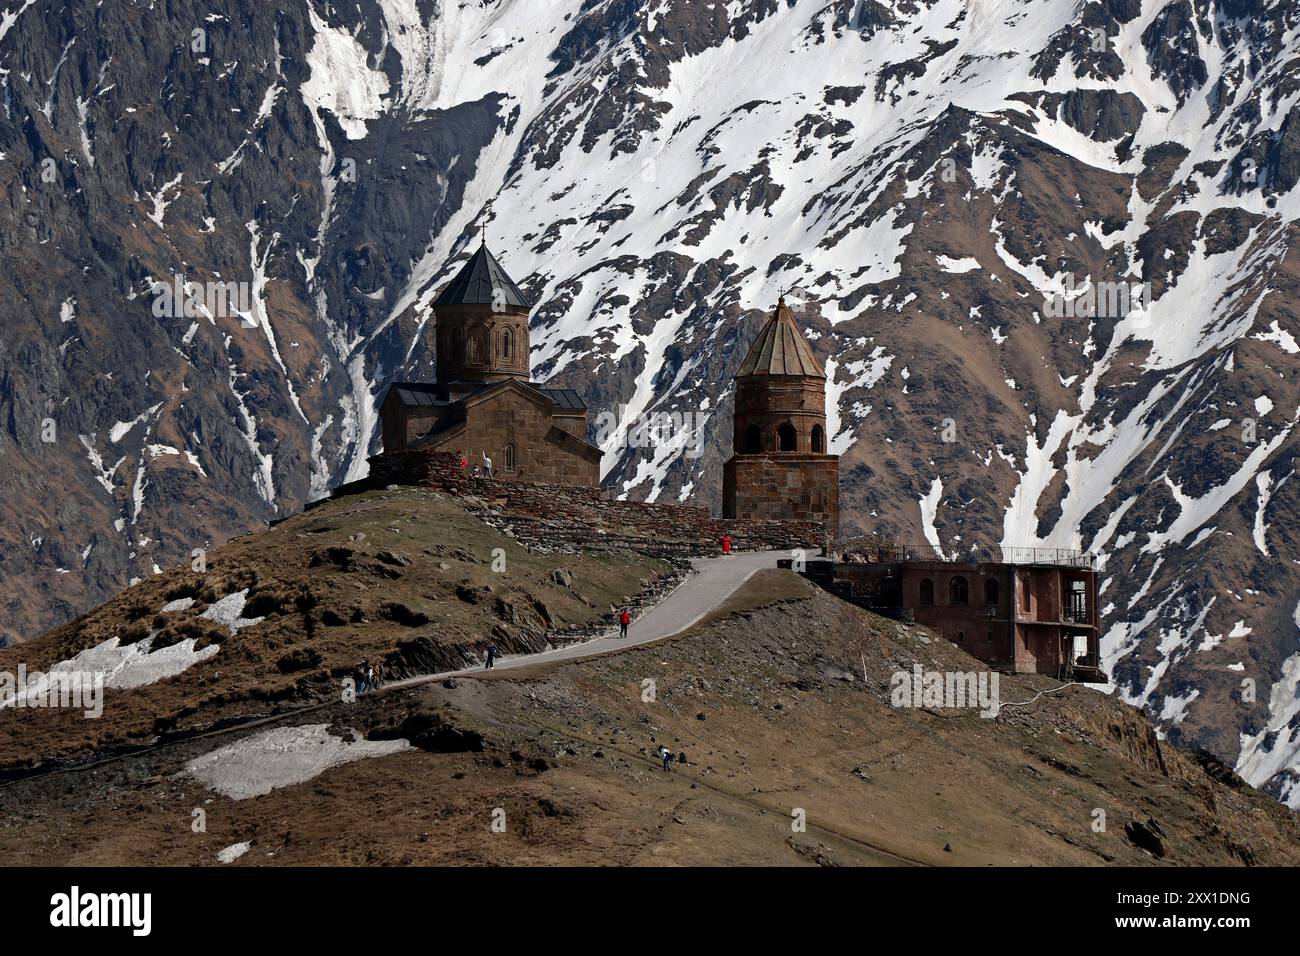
pixel 786 437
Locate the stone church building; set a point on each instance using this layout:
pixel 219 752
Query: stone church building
pixel 780 468
pixel 483 403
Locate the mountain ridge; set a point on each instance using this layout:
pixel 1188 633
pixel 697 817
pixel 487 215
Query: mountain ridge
pixel 926 176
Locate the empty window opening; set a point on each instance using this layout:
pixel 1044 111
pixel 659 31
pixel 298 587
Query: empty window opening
pixel 927 592
pixel 787 437
pixel 958 591
pixel 991 592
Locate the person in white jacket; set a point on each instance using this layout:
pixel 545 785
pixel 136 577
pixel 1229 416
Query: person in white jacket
pixel 487 466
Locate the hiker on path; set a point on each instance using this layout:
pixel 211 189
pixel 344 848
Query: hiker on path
pixel 487 466
pixel 726 544
pixel 624 620
pixel 377 676
pixel 491 655
pixel 363 669
pixel 667 755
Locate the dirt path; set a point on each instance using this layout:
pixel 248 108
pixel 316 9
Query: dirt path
pixel 711 583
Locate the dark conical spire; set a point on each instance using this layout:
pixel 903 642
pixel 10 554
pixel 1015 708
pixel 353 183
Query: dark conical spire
pixel 781 348
pixel 478 279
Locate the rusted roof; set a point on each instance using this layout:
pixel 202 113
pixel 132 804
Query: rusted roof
pixel 781 349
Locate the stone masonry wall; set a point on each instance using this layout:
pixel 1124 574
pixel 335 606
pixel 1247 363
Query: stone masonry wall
pixel 783 487
pixel 568 518
pixel 509 418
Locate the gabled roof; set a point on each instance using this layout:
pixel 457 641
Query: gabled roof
pixel 427 394
pixel 566 398
pixel 417 394
pixel 780 349
pixel 477 280
pixel 563 399
pixel 413 394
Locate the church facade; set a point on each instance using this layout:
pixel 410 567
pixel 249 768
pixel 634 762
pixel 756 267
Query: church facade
pixel 780 467
pixel 483 404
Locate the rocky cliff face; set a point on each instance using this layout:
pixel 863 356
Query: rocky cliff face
pixel 1045 250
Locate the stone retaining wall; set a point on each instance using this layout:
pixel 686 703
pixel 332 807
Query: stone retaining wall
pixel 565 518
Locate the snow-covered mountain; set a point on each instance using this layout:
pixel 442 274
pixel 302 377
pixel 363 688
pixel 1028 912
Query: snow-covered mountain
pixel 1044 248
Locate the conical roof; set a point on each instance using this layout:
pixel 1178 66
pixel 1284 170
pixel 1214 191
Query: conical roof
pixel 781 349
pixel 476 281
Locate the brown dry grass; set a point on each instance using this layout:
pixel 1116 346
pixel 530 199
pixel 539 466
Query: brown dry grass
pixel 378 576
pixel 760 699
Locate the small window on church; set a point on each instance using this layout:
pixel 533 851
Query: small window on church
pixel 818 440
pixel 510 457
pixel 786 437
pixel 505 344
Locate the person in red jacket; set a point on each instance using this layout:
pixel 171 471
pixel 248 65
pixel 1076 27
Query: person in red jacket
pixel 726 544
pixel 624 620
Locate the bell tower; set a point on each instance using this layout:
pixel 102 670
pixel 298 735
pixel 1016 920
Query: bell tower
pixel 482 324
pixel 780 468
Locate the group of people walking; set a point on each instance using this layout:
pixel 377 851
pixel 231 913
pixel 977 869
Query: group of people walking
pixel 369 676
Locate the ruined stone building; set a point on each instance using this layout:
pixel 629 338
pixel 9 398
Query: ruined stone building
pixel 1022 610
pixel 780 468
pixel 483 403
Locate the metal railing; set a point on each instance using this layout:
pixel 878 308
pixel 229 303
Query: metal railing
pixel 1063 557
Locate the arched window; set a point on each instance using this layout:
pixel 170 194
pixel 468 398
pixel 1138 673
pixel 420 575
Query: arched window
pixel 751 442
pixel 479 345
pixel 786 437
pixel 927 592
pixel 958 590
pixel 510 457
pixel 818 440
pixel 505 344
pixel 991 591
